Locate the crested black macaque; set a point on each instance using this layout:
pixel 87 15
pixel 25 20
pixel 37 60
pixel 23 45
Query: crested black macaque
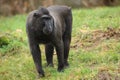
pixel 51 26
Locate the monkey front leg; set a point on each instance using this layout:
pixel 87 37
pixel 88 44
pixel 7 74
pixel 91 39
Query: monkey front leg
pixel 36 54
pixel 60 55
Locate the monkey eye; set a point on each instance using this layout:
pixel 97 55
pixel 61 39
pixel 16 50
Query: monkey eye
pixel 43 24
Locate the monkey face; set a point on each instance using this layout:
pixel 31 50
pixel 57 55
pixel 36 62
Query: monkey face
pixel 48 24
pixel 44 21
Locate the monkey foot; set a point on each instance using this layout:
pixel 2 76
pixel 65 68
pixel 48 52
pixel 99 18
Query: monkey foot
pixel 61 68
pixel 66 65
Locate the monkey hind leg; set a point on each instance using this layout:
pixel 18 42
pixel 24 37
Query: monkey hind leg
pixel 67 38
pixel 49 49
pixel 66 51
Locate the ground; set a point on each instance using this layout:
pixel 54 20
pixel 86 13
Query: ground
pixel 94 52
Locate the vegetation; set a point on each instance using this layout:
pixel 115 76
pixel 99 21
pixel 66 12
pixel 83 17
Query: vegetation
pixel 94 54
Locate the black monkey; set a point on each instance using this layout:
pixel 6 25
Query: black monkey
pixel 51 26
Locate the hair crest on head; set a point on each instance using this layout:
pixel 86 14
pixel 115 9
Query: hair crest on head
pixel 43 10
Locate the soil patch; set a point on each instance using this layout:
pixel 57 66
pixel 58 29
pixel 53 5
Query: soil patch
pixel 90 39
pixel 106 75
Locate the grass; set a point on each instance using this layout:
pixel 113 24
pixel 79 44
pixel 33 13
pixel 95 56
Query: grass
pixel 88 61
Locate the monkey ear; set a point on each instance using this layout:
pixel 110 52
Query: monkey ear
pixel 36 14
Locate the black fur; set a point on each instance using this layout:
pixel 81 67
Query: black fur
pixel 51 26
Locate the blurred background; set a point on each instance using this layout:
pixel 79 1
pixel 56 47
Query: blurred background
pixel 12 7
pixel 95 46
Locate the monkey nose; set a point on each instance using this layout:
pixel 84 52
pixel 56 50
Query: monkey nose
pixel 47 30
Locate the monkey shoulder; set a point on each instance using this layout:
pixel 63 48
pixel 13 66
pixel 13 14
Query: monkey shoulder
pixel 30 17
pixel 64 10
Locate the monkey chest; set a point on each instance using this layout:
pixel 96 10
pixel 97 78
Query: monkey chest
pixel 43 39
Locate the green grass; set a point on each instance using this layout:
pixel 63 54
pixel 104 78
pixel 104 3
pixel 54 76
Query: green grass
pixel 86 62
pixel 98 18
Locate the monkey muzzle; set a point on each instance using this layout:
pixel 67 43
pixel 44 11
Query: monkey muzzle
pixel 48 27
pixel 47 30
